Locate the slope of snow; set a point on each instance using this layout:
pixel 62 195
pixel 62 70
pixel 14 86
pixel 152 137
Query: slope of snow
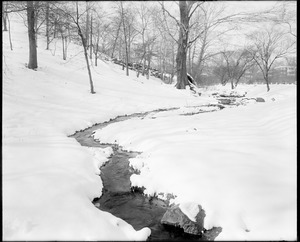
pixel 49 180
pixel 237 163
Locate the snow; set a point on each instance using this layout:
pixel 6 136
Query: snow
pixel 100 156
pixel 239 164
pixel 190 209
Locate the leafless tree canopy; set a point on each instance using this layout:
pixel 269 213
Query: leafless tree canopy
pixel 165 39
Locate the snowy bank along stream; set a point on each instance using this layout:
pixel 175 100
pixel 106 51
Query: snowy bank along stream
pixel 129 203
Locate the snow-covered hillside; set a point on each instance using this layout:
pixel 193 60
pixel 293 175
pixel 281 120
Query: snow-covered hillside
pixel 238 163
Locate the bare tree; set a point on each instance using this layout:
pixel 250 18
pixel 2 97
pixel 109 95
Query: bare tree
pixel 6 21
pixel 101 33
pixel 32 64
pixel 186 9
pixel 284 13
pixel 53 20
pixel 125 36
pixel 75 16
pixel 289 17
pixel 96 42
pixel 166 31
pixel 208 21
pixel 116 37
pixel 269 45
pixel 63 29
pixel 84 44
pixel 220 71
pixel 129 32
pixel 30 11
pixel 144 14
pixel 207 18
pixel 132 32
pixel 186 12
pixel 237 62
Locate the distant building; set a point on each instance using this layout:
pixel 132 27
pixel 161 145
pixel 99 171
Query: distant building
pixel 283 74
pixel 248 74
pixel 285 70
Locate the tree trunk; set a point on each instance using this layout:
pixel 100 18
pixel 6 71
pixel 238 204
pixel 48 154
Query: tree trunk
pixel 129 46
pixel 4 16
pixel 31 35
pixel 164 62
pixel 88 67
pixel 36 6
pixel 84 44
pixel 139 64
pixel 97 44
pixel 91 38
pixel 144 50
pixel 66 46
pixel 87 24
pixel 63 46
pixel 160 59
pixel 268 87
pixel 148 69
pixel 189 59
pixel 267 82
pixel 200 59
pixel 182 80
pixel 47 25
pixel 173 63
pixel 163 69
pixel 192 72
pixel 96 57
pixel 55 28
pixel 9 33
pixel 144 67
pixel 125 40
pixel 115 42
pixel 86 58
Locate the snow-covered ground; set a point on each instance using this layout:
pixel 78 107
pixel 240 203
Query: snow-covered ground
pixel 238 163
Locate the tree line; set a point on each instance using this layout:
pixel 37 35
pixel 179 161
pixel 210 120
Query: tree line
pixel 176 39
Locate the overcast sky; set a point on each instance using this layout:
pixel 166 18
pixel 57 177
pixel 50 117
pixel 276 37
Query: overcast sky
pixel 236 37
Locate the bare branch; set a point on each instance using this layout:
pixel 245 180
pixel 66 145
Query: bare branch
pixel 168 29
pixel 170 15
pixel 191 13
pixel 193 40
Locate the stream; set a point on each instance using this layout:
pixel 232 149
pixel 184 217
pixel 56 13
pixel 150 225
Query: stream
pixel 125 202
pixel 131 205
pixel 119 198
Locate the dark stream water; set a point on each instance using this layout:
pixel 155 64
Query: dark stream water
pixel 120 199
pixel 132 206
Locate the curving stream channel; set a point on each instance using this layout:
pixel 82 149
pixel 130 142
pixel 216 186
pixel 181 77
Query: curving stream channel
pixel 125 202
